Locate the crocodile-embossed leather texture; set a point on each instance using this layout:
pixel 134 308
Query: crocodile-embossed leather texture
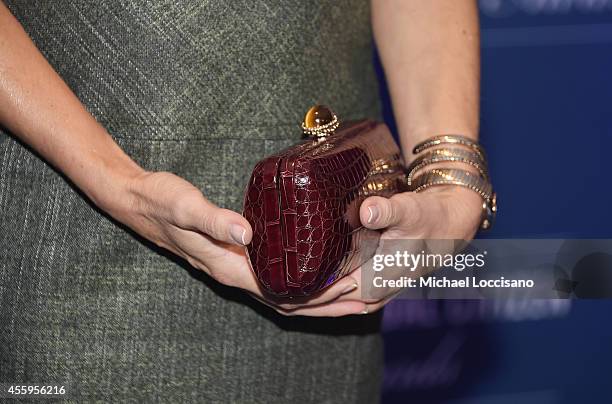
pixel 303 204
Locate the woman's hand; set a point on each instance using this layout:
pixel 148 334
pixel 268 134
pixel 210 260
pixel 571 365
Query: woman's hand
pixel 430 53
pixel 448 212
pixel 174 214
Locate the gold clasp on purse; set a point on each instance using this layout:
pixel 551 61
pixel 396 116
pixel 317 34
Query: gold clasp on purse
pixel 320 121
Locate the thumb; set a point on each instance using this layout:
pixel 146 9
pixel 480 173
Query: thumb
pixel 401 209
pixel 226 225
pixel 220 224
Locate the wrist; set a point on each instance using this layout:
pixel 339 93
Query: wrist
pixel 111 184
pixel 453 160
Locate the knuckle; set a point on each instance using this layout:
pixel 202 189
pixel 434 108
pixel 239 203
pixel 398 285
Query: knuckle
pixel 413 213
pixel 216 222
pixel 211 224
pixel 388 214
pixel 183 208
pixel 405 200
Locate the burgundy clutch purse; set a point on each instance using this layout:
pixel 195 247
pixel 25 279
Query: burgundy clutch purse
pixel 303 203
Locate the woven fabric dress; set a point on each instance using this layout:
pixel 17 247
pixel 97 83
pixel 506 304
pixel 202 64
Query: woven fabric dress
pixel 204 89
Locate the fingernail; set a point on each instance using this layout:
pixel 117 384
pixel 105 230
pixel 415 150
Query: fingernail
pixel 365 311
pixel 238 232
pixel 350 288
pixel 373 213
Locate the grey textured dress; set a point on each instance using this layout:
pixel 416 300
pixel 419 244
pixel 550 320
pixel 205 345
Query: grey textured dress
pixel 204 89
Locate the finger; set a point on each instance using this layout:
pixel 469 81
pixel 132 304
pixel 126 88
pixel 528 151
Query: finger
pixel 356 293
pixel 374 307
pixel 226 263
pixel 368 295
pixel 335 309
pixel 226 225
pixel 197 213
pixel 402 209
pixel 344 286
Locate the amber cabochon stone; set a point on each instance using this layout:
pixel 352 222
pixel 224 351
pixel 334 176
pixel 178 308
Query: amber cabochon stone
pixel 318 116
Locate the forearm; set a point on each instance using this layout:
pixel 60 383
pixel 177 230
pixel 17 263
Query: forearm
pixel 430 53
pixel 38 108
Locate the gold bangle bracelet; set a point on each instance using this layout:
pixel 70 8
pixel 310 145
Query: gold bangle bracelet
pixel 447 155
pixel 450 176
pixel 450 139
pixel 447 176
pixel 472 153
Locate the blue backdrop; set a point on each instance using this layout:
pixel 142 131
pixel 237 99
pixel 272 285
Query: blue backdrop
pixel 547 126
